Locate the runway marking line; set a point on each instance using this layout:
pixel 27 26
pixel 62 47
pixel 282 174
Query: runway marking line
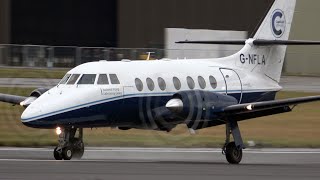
pixel 173 150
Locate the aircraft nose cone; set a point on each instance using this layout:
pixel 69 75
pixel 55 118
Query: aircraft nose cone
pixel 30 113
pixel 175 105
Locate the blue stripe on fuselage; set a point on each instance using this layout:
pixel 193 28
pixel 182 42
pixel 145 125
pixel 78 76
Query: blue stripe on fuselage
pixel 132 111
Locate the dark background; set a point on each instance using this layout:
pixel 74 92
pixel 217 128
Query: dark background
pixel 64 22
pixel 148 18
pixel 123 23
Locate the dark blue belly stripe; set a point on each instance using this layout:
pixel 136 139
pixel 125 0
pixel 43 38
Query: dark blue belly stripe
pixel 128 112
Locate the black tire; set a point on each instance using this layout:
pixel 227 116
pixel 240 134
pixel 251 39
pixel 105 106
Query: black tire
pixel 78 153
pixel 56 154
pixel 67 153
pixel 233 154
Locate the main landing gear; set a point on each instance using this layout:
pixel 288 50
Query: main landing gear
pixel 233 150
pixel 69 146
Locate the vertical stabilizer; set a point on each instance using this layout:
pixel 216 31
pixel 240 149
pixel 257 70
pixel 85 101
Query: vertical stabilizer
pixel 277 23
pixel 276 26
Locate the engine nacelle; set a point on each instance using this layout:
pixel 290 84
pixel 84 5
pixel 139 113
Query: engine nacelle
pixel 38 92
pixel 199 106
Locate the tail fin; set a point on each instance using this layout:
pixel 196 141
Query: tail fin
pixel 277 23
pixel 265 53
pixel 276 26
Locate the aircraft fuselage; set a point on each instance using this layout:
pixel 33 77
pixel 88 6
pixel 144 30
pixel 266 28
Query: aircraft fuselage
pixel 142 87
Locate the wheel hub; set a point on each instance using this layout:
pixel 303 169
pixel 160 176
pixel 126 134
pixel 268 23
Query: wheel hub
pixel 69 153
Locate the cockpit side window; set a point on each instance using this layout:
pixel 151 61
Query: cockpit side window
pixel 73 79
pixel 114 79
pixel 103 79
pixel 65 79
pixel 87 79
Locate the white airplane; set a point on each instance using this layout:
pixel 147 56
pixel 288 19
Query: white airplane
pixel 161 94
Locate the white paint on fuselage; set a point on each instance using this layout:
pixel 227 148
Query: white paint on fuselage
pixel 64 98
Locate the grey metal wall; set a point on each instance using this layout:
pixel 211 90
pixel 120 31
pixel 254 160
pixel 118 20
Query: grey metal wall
pixel 141 23
pixel 304 60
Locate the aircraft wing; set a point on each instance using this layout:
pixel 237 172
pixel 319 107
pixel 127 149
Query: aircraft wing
pixel 268 105
pixel 13 99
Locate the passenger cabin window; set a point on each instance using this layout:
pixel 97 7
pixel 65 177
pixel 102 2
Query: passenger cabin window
pixel 65 79
pixel 213 82
pixel 176 83
pixel 161 83
pixel 103 79
pixel 190 82
pixel 87 79
pixel 202 82
pixel 150 84
pixel 139 84
pixel 73 79
pixel 114 79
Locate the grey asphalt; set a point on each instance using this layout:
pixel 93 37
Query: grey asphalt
pixel 289 83
pixel 160 163
pixel 28 82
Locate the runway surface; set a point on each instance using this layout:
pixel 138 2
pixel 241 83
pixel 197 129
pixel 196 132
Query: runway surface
pixel 289 83
pixel 160 163
pixel 28 82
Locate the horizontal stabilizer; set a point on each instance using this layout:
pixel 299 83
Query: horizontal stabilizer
pixel 257 42
pixel 261 42
pixel 227 42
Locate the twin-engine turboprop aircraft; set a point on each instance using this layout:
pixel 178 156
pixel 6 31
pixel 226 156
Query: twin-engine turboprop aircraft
pixel 161 94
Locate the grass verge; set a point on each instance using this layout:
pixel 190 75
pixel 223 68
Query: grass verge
pixel 299 128
pixel 32 73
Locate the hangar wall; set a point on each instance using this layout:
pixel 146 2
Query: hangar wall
pixel 141 23
pixel 304 60
pixel 4 21
pixel 63 22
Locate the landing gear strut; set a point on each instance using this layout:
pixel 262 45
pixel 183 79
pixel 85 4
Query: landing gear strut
pixel 233 150
pixel 69 146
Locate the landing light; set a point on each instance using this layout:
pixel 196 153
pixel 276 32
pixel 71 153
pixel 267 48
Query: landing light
pixel 249 107
pixel 58 130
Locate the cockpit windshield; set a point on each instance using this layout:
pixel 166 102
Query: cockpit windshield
pixel 102 79
pixel 73 79
pixel 65 79
pixel 87 79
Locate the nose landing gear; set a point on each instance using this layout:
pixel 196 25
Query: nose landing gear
pixel 69 146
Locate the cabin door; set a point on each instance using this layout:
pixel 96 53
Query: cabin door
pixel 233 83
